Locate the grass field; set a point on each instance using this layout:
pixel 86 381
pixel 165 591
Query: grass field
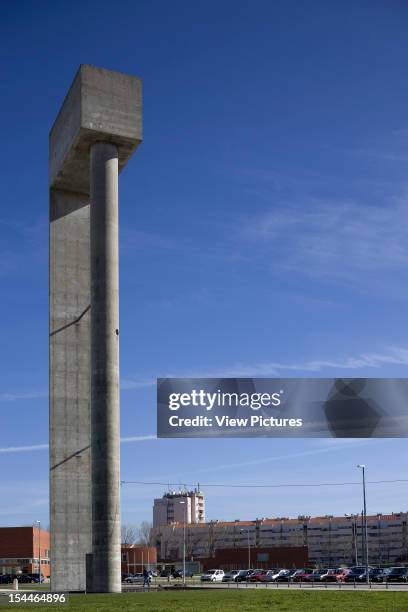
pixel 202 601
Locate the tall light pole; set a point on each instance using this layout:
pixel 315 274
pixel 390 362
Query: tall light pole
pixel 362 467
pixel 184 541
pixel 39 551
pixel 249 546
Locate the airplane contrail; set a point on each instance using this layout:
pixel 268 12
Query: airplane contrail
pixel 39 447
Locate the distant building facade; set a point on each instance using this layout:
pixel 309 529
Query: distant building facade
pixel 329 540
pixel 135 557
pixel 179 507
pixel 260 558
pixel 21 548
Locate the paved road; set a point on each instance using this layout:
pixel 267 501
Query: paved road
pixel 280 586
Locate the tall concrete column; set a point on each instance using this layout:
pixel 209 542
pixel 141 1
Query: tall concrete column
pixel 96 131
pixel 105 430
pixel 70 425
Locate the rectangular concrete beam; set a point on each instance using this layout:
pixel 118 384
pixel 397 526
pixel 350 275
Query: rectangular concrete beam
pixel 100 106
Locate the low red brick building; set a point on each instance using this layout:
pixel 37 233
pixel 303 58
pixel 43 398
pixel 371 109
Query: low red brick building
pixel 135 557
pixel 261 558
pixel 19 550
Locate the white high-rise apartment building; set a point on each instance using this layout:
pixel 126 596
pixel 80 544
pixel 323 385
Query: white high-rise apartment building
pixel 179 507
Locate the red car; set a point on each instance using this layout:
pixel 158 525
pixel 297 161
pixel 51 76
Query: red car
pixel 257 576
pixel 329 576
pixel 267 576
pixel 301 575
pixel 342 573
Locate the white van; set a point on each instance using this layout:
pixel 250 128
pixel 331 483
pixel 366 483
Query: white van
pixel 213 575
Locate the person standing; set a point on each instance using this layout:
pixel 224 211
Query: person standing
pixel 146 578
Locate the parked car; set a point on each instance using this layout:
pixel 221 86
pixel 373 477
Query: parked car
pixel 179 573
pixel 230 576
pixel 34 577
pixel 135 579
pixel 256 575
pixel 267 577
pixel 285 575
pixel 329 576
pixel 342 573
pixel 301 574
pixel 7 578
pixel 355 573
pixel 126 575
pixel 315 575
pixel 252 571
pixel 336 575
pixel 27 578
pixel 398 574
pixel 243 575
pixel 381 577
pixel 279 573
pixel 165 573
pixel 375 574
pixel 213 575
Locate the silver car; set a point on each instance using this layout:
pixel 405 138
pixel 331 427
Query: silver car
pixel 230 576
pixel 135 579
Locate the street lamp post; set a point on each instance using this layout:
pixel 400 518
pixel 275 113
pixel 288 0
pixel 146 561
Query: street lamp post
pixel 249 547
pixel 39 551
pixel 362 467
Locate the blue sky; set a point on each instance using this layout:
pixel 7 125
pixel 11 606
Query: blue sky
pixel 263 232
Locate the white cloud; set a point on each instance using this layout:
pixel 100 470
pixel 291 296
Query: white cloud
pixel 125 385
pixel 325 446
pixel 335 240
pixel 139 383
pixel 397 356
pixel 138 438
pixel 393 356
pixel 12 397
pixel 23 449
pixel 39 447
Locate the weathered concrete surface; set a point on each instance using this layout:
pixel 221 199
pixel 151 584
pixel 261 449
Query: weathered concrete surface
pixel 70 493
pixel 100 106
pixel 105 369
